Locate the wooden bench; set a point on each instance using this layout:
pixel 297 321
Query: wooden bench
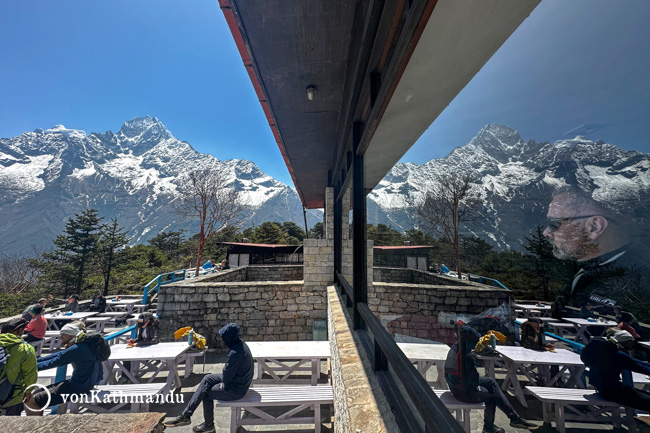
pixel 565 401
pixel 38 346
pixel 134 396
pixel 461 409
pixel 96 323
pixel 298 398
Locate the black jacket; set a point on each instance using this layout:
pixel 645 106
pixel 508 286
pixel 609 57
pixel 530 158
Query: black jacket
pixel 238 371
pixel 98 304
pixel 605 364
pixel 149 335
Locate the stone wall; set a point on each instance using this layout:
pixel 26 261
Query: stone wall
pixel 266 311
pixel 231 275
pixel 274 273
pixel 426 311
pixel 359 403
pixel 414 276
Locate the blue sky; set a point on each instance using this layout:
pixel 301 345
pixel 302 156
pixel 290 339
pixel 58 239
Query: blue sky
pixel 92 65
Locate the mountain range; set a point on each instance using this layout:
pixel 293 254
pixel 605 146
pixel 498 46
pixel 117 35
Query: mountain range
pixel 134 175
pixel 516 180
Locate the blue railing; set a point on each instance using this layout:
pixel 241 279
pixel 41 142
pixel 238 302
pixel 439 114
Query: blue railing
pixel 162 279
pixel 485 280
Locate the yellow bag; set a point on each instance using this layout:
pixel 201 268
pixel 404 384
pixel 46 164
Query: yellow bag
pixel 199 340
pixel 484 341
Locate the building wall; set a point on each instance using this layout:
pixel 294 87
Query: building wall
pixel 429 311
pixel 274 273
pixel 414 276
pixel 266 311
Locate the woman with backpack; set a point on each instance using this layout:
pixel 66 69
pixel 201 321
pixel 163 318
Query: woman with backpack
pixel 17 368
pixel 85 350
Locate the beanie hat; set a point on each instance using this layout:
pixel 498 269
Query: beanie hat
pixel 37 310
pixel 626 317
pixel 70 329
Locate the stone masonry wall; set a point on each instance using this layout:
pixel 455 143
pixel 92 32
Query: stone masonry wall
pixel 266 311
pixel 413 276
pixel 425 311
pixel 359 403
pixel 274 273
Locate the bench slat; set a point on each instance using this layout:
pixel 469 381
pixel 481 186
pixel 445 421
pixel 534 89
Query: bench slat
pixel 279 395
pixel 575 396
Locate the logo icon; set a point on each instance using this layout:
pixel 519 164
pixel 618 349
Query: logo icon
pixel 47 391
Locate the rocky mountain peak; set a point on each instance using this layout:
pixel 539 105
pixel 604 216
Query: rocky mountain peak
pixel 500 141
pixel 147 124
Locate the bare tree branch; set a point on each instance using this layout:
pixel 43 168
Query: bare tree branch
pixel 452 199
pixel 207 196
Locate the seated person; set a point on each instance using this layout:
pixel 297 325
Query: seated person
pixel 37 325
pixel 626 324
pixel 466 384
pixel 19 369
pixel 225 265
pixel 42 302
pixel 444 269
pixel 98 302
pixel 72 304
pixel 207 265
pixel 85 351
pixel 586 311
pixel 148 328
pixel 606 359
pixel 559 308
pixel 231 385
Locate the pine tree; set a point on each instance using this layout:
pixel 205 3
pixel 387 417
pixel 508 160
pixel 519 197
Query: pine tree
pixel 112 238
pixel 542 251
pixel 74 249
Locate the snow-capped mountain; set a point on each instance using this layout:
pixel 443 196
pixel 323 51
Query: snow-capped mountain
pixel 516 179
pixel 48 175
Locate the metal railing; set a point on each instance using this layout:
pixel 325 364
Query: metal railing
pixel 428 406
pixel 485 280
pixel 162 279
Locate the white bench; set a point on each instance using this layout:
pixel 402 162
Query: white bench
pixel 298 398
pixel 38 346
pixel 188 359
pixel 565 401
pixel 461 409
pixel 133 396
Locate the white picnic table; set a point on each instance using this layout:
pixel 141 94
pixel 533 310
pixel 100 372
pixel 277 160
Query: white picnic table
pixel 169 355
pixel 97 323
pixel 68 318
pixel 426 356
pixel 535 365
pixel 529 309
pixel 560 327
pixel 582 327
pixel 47 377
pixel 273 357
pixel 126 304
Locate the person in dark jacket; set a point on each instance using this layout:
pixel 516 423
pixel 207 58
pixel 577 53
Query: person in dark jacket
pixel 559 308
pixel 73 304
pixel 87 369
pixel 605 360
pixel 27 313
pixel 98 303
pixel 466 384
pixel 586 311
pixel 232 384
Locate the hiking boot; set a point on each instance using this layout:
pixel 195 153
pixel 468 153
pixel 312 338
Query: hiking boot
pixel 178 421
pixel 493 429
pixel 204 428
pixel 522 423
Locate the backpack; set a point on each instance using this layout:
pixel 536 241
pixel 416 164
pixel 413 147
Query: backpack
pixel 100 347
pixel 6 387
pixel 532 334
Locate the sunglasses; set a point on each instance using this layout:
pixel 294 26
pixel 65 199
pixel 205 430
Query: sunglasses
pixel 555 223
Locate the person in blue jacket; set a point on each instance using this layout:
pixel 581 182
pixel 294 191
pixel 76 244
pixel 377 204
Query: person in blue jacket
pixel 87 368
pixel 606 360
pixel 232 384
pixel 444 269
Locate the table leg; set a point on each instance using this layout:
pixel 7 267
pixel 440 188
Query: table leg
pixel 173 379
pixel 511 378
pixel 314 372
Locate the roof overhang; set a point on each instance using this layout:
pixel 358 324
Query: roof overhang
pixel 383 71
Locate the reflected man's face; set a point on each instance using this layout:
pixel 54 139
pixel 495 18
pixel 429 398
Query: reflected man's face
pixel 566 231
